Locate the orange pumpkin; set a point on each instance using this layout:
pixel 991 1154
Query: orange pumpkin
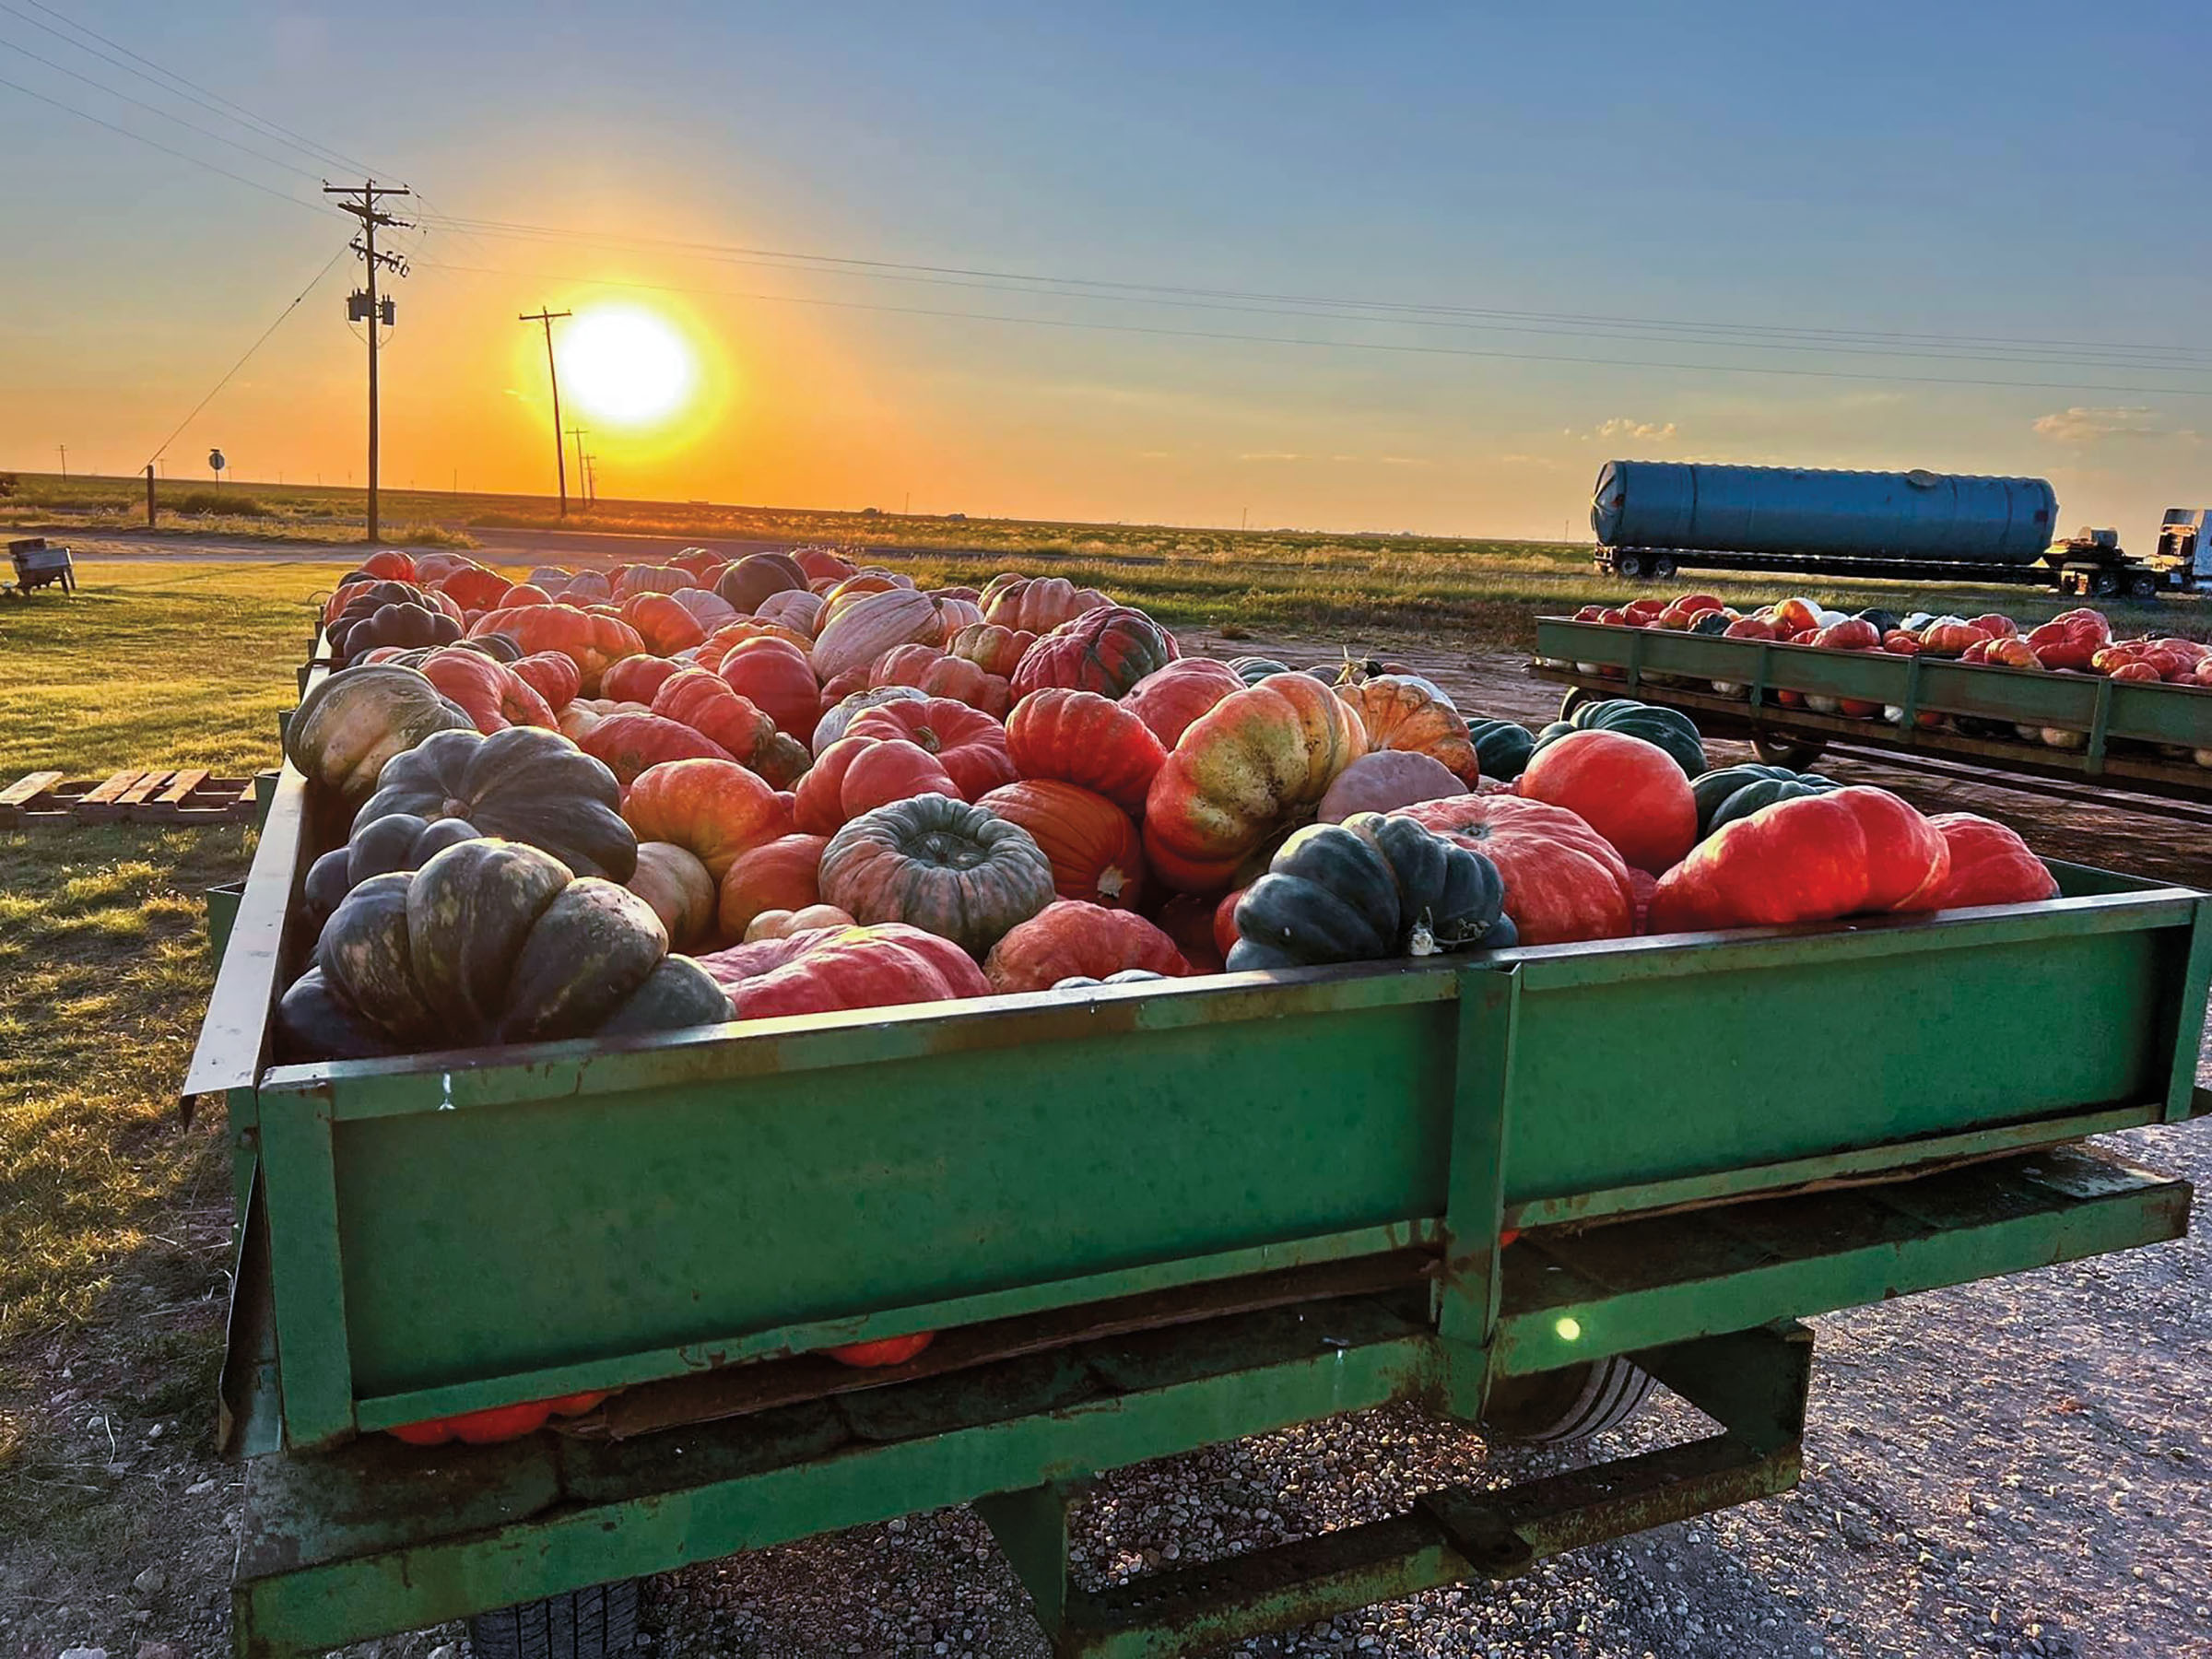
pixel 776 874
pixel 1082 738
pixel 1257 763
pixel 850 778
pixel 822 562
pixel 1068 938
pixel 782 924
pixel 1038 604
pixel 663 623
pixel 1990 864
pixel 630 743
pixel 474 587
pixel 1402 712
pixel 638 679
pixel 778 680
pixel 705 702
pixel 677 885
pixel 1563 881
pixel 1630 792
pixel 1171 698
pixel 992 649
pixel 1092 845
pixel 523 593
pixel 968 744
pixel 389 564
pixel 931 672
pixel 1808 859
pixel 490 693
pixel 552 675
pixel 594 644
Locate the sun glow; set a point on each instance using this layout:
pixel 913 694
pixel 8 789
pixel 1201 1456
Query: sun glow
pixel 626 366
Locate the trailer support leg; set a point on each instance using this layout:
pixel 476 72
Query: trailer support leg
pixel 1752 1382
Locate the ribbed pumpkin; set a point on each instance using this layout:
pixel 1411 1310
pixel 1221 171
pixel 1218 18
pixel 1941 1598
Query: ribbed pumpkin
pixel 716 809
pixel 677 885
pixel 1259 761
pixel 778 874
pixel 968 744
pixel 828 970
pixel 705 702
pixel 650 579
pixel 1563 881
pixel 1328 896
pixel 1404 712
pixel 1082 738
pixel 1990 864
pixel 525 784
pixel 637 679
pixel 957 611
pixel 473 589
pixel 552 675
pixel 782 924
pixel 870 626
pixel 1170 698
pixel 1107 651
pixel 489 692
pixel 796 612
pixel 930 671
pixel 1068 938
pixel 991 648
pixel 857 774
pixel 350 725
pixel 594 644
pixel 940 864
pixel 664 626
pixel 1449 897
pixel 708 608
pixel 777 678
pixel 1092 845
pixel 1037 604
pixel 1252 670
pixel 629 743
pixel 850 708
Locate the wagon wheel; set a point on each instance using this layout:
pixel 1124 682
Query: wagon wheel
pixel 1797 753
pixel 1568 1404
pixel 583 1624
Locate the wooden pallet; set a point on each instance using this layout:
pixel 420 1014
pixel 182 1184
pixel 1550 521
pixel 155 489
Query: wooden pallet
pixel 188 796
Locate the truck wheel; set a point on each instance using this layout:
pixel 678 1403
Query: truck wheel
pixel 2104 584
pixel 2142 585
pixel 1629 565
pixel 1663 567
pixel 583 1624
pixel 1794 753
pixel 1571 1403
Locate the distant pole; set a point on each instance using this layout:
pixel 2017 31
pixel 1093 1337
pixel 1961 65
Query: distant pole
pixel 65 448
pixel 590 481
pixel 149 495
pixel 579 433
pixel 1243 517
pixel 560 459
pixel 907 510
pixel 371 218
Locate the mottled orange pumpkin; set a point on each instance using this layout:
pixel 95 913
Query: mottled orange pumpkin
pixel 1402 712
pixel 992 649
pixel 1092 845
pixel 715 809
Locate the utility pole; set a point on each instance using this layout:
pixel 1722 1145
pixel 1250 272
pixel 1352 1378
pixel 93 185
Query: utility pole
pixel 582 488
pixel 65 448
pixel 361 203
pixel 561 458
pixel 590 481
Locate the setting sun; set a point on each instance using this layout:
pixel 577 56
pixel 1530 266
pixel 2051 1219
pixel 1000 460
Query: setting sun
pixel 627 366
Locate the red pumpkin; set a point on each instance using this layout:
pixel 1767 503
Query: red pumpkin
pixel 389 564
pixel 885 1352
pixel 776 874
pixel 730 635
pixel 1853 633
pixel 847 778
pixel 630 744
pixel 1810 859
pixel 553 675
pixel 1563 881
pixel 1092 843
pixel 472 588
pixel 968 744
pixel 931 672
pixel 833 969
pixel 1081 737
pixel 703 565
pixel 992 649
pixel 594 644
pixel 705 702
pixel 821 564
pixel 1990 864
pixel 776 677
pixel 489 692
pixel 1107 651
pixel 715 809
pixel 1069 937
pixel 1995 625
pixel 1188 919
pixel 1630 792
pixel 638 679
pixel 1170 698
pixel 1037 604
pixel 1257 763
pixel 522 593
pixel 2070 638
pixel 664 626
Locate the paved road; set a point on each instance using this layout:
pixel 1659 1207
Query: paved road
pixel 572 547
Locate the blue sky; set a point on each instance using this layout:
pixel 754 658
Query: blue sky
pixel 2040 177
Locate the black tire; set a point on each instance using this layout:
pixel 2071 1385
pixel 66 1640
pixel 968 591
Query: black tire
pixel 1570 1404
pixel 1629 565
pixel 1663 567
pixel 1792 752
pixel 583 1624
pixel 2104 584
pixel 2142 585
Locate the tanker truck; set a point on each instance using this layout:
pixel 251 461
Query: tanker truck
pixel 1654 518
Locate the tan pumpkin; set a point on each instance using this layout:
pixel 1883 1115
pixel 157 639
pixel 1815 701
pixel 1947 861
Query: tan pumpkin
pixel 683 895
pixel 782 924
pixel 1038 604
pixel 871 625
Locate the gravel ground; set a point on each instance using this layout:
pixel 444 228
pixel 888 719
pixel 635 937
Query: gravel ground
pixel 2015 1466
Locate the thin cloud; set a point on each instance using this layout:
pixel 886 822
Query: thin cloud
pixel 1620 426
pixel 1274 455
pixel 1405 460
pixel 2081 426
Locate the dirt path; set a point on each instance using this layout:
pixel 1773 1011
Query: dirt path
pixel 2014 1467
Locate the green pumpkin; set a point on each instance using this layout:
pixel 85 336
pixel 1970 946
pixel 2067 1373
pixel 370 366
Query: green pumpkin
pixel 1884 622
pixel 1252 670
pixel 1709 789
pixel 364 957
pixel 1766 791
pixel 1713 623
pixel 1449 897
pixel 312 1023
pixel 526 785
pixel 1502 747
pixel 1329 897
pixel 678 994
pixel 1669 729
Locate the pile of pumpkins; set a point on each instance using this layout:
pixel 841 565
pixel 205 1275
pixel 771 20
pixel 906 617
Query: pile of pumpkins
pixel 592 804
pixel 2075 642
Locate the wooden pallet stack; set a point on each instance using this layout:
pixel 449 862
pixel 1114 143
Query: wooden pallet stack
pixel 188 796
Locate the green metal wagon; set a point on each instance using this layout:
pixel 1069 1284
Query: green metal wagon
pixel 2138 739
pixel 1507 1188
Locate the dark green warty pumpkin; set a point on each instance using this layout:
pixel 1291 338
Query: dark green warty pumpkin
pixel 1329 896
pixel 525 783
pixel 1252 670
pixel 1669 729
pixel 1502 747
pixel 1449 897
pixel 1766 791
pixel 1713 790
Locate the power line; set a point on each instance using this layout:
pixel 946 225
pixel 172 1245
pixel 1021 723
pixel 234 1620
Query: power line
pixel 1428 351
pixel 259 341
pixel 901 270
pixel 157 144
pixel 227 107
pixel 157 110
